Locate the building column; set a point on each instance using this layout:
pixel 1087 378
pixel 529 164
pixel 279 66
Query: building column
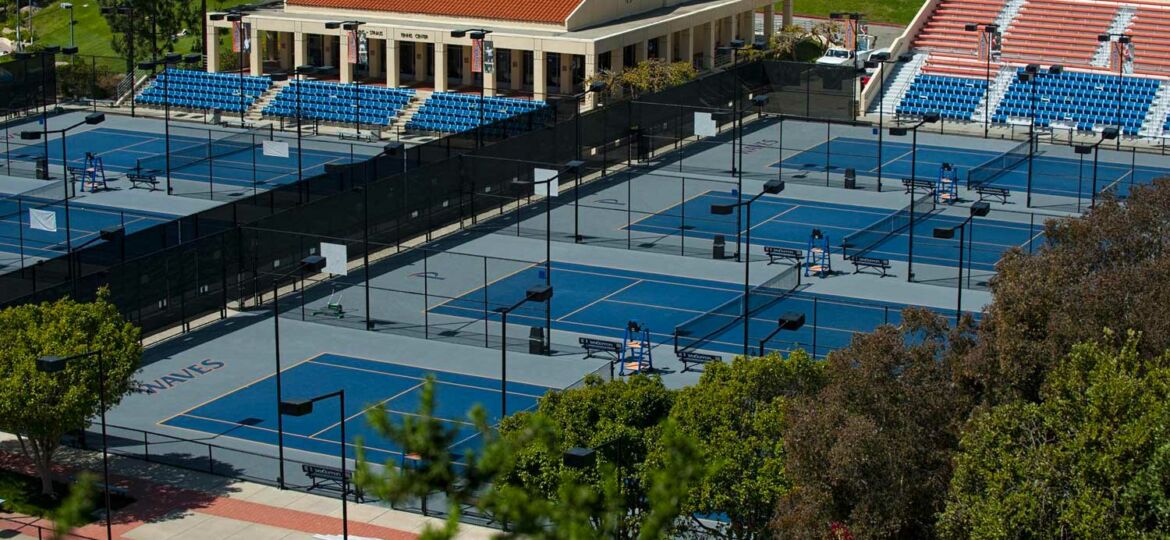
pixel 344 67
pixel 300 49
pixel 392 67
pixel 517 67
pixel 440 67
pixel 667 44
pixel 709 53
pixel 212 49
pixel 786 19
pixel 688 46
pixel 489 82
pixel 375 52
pixel 539 78
pixel 466 76
pixel 256 64
pixel 285 46
pixel 617 58
pixel 734 22
pixel 769 21
pixel 566 74
pixel 420 61
pixel 639 52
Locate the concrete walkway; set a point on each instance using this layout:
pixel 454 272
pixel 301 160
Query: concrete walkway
pixel 176 504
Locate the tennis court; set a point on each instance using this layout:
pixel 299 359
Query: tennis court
pixel 249 412
pixel 787 222
pixel 597 300
pixel 1051 175
pixel 84 224
pixel 237 161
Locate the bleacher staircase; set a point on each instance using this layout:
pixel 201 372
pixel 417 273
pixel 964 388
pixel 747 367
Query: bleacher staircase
pixel 1121 22
pixel 897 84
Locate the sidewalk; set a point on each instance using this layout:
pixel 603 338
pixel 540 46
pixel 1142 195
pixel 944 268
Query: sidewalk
pixel 176 504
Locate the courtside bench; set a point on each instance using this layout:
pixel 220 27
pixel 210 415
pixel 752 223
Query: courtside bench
pixel 688 357
pixel 147 178
pixel 915 185
pixel 875 263
pixel 329 479
pixel 990 191
pixel 595 346
pixel 776 253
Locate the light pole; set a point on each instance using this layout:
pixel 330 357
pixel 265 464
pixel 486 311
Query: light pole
pixel 127 10
pixel 928 118
pixel 855 23
pixel 1120 41
pixel 735 46
pixel 312 263
pixel 594 87
pixel 978 209
pixel 1030 75
pixel 476 34
pixel 990 32
pixel 167 61
pixel 57 364
pixel 352 26
pixel 72 23
pixel 791 321
pixel 771 187
pixel 884 61
pixel 1107 134
pixel 536 293
pixel 302 407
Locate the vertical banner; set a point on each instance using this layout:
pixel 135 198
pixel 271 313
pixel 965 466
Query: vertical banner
pixel 489 56
pixel 246 36
pixel 237 39
pixel 477 56
pixel 351 53
pixel 851 34
pixel 363 48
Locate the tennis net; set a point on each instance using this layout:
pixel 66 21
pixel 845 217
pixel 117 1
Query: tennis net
pixel 865 240
pixel 198 153
pixel 699 331
pixel 988 171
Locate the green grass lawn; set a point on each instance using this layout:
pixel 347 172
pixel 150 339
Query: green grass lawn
pixel 887 11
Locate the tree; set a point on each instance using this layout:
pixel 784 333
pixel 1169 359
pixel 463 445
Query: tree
pixel 796 43
pixel 736 414
pixel 558 502
pixel 155 25
pixel 41 407
pixel 648 76
pixel 1109 269
pixel 871 451
pixel 1091 459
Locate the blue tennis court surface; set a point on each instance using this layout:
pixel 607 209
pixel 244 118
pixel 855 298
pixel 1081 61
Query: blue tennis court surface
pixel 1050 175
pixel 601 300
pixel 85 221
pixel 121 149
pixel 788 222
pixel 249 412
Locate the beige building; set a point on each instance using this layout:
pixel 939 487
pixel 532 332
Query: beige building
pixel 538 47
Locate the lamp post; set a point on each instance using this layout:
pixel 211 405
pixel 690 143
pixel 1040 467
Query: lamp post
pixel 855 19
pixel 594 87
pixel 883 62
pixel 302 407
pixel 771 187
pixel 167 61
pixel 72 23
pixel 537 293
pixel 127 9
pixel 987 39
pixel 1121 40
pixel 351 26
pixel 791 321
pixel 1030 75
pixel 735 46
pixel 476 34
pixel 91 119
pixel 57 364
pixel 312 263
pixel 928 118
pixel 1107 134
pixel 978 209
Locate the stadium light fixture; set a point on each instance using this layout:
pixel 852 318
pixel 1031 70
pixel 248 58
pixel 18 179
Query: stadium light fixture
pixel 536 293
pixel 302 407
pixel 210 16
pixel 789 321
pixel 234 17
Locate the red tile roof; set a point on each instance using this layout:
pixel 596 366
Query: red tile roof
pixel 540 11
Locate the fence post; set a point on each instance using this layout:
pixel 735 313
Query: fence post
pixel 210 460
pixel 146 446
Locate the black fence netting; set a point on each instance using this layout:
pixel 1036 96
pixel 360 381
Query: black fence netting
pixel 175 272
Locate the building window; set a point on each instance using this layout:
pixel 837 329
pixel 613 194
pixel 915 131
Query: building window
pixel 605 61
pixel 406 58
pixel 504 66
pixel 454 61
pixel 629 55
pixel 526 67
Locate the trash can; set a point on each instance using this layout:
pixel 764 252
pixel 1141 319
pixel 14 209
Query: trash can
pixel 850 178
pixel 536 340
pixel 213 115
pixel 42 168
pixel 718 247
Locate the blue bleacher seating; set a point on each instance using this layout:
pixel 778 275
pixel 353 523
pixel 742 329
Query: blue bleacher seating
pixel 337 102
pixel 200 90
pixel 1083 100
pixel 452 112
pixel 953 98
